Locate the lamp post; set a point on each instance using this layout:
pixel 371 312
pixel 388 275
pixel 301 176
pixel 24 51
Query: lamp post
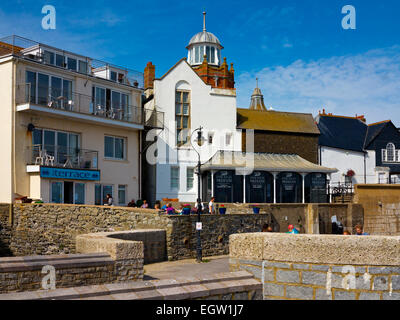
pixel 199 206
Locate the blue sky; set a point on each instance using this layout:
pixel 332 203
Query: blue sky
pixel 298 49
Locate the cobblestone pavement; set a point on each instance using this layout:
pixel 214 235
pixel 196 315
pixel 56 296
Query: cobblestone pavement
pixel 186 268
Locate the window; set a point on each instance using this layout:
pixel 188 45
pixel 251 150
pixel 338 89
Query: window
pixel 189 178
pixel 390 154
pixel 83 67
pixel 197 55
pixel 62 145
pixel 60 61
pixel 100 193
pixel 79 193
pixel 113 76
pixel 48 57
pixel 182 117
pixel 71 64
pixel 57 192
pixel 174 178
pixel 114 148
pixel 210 137
pixel 49 91
pixel 228 139
pixel 122 195
pixel 212 60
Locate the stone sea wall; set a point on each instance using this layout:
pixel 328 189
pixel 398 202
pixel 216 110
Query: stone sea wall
pixel 53 228
pixel 320 267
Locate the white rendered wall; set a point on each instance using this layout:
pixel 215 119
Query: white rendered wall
pixel 345 160
pixel 213 109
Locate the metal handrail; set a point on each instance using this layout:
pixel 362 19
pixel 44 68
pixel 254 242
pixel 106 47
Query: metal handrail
pixel 61 156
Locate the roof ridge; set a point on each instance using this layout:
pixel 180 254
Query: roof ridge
pixel 274 111
pixel 380 122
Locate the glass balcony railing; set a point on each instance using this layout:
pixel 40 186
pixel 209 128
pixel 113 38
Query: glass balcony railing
pixel 34 51
pixel 78 103
pixel 62 157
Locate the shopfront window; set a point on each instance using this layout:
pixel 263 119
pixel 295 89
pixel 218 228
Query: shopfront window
pixel 289 188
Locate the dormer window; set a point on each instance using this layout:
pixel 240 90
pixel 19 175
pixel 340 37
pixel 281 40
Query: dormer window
pixel 113 76
pixel 390 154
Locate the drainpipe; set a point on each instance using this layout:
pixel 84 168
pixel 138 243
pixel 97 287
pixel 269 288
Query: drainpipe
pixel 13 121
pixel 365 168
pixel 140 165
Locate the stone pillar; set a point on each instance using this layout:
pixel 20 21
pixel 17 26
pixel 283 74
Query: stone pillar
pixel 303 187
pixel 212 183
pixel 244 189
pixel 274 174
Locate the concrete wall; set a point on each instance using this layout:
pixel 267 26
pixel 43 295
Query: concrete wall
pixel 320 267
pixel 381 208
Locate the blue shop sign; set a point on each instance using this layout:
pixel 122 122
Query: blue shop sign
pixel 59 173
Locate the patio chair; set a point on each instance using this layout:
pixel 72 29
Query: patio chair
pixel 49 160
pixel 40 158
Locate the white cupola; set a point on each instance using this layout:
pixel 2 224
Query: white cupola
pixel 204 43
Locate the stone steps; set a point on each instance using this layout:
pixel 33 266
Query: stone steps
pixel 236 285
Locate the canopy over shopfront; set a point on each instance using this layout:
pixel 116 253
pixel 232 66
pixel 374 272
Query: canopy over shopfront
pixel 264 178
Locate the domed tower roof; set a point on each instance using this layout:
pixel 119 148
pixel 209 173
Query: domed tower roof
pixel 257 100
pixel 204 37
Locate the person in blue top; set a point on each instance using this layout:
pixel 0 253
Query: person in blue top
pixel 359 231
pixel 292 230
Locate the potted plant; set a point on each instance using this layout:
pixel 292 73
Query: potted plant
pixel 256 209
pixel 222 209
pixel 186 209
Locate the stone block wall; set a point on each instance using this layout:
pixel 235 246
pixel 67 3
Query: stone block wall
pixel 304 281
pixel 53 228
pixel 25 273
pixel 381 208
pixel 320 267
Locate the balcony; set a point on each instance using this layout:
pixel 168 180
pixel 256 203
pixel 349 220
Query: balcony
pixel 62 157
pixel 40 53
pixel 76 106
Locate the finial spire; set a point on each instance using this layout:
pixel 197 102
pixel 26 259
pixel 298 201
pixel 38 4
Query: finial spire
pixel 257 82
pixel 204 21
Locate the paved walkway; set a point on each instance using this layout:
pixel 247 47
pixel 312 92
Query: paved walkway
pixel 186 268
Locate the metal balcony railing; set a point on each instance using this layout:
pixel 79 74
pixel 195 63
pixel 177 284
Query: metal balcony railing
pixel 62 157
pixel 55 98
pixel 19 46
pixel 153 119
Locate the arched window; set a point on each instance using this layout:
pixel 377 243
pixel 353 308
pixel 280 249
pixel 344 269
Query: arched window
pixel 390 152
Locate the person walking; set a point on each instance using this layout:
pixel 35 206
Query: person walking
pixel 211 206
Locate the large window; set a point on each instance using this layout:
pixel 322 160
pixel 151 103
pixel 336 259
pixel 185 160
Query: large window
pixel 390 154
pixel 122 195
pixel 48 90
pixel 174 178
pixel 189 178
pixel 100 193
pixel 114 147
pixel 182 117
pixel 64 146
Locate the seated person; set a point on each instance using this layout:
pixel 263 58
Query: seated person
pixel 292 230
pixel 132 203
pixel 170 209
pixel 145 205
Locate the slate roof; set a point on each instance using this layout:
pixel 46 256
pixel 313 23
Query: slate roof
pixel 346 133
pixel 276 121
pixel 373 131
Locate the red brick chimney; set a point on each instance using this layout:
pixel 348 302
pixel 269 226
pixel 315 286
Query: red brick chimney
pixel 149 76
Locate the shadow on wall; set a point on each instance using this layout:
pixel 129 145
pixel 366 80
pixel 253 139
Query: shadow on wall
pixel 4 247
